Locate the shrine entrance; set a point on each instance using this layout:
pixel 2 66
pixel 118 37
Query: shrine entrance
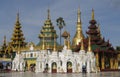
pixel 54 67
pixel 84 69
pixel 1 66
pixel 69 67
pixel 32 67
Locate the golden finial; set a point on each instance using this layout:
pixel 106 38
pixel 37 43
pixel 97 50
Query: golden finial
pixel 54 49
pixel 79 16
pixel 43 45
pixel 17 17
pixel 68 45
pixel 89 44
pixel 82 44
pixel 48 14
pixel 92 14
pixel 4 40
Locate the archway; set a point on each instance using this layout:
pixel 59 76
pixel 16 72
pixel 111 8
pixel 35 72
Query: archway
pixel 1 66
pixel 84 68
pixel 32 67
pixel 26 66
pixel 107 62
pixel 69 67
pixel 54 67
pixel 8 66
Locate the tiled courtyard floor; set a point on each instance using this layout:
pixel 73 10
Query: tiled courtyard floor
pixel 32 74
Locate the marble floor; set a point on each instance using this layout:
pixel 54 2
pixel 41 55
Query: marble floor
pixel 32 74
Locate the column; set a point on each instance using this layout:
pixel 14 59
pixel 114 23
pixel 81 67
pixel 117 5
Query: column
pixel 111 63
pixel 97 61
pixel 103 62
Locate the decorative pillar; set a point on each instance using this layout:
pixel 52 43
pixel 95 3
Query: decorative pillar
pixel 88 67
pixel 116 63
pixel 111 63
pixel 97 61
pixel 64 41
pixel 103 62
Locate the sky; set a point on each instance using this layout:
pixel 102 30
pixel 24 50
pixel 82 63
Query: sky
pixel 33 14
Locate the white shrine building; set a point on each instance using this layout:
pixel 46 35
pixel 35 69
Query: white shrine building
pixel 53 61
pixel 66 61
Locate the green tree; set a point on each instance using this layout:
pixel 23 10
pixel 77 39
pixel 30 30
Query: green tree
pixel 60 24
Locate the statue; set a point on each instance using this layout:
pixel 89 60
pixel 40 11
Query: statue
pixel 18 63
pixel 54 66
pixel 93 64
pixel 31 47
pixel 65 47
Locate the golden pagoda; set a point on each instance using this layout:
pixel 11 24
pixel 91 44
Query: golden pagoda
pixel 49 34
pixel 17 36
pixel 79 34
pixel 3 47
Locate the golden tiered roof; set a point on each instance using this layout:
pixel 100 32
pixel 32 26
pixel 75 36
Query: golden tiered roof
pixel 92 14
pixel 17 36
pixel 65 34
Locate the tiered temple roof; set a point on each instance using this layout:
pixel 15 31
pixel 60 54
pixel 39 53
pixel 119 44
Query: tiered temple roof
pixel 48 33
pixel 17 36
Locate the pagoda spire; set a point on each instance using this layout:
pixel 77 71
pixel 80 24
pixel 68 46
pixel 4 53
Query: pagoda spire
pixel 4 46
pixel 48 17
pixel 82 44
pixel 92 16
pixel 79 17
pixel 89 44
pixel 17 36
pixel 54 49
pixel 48 31
pixel 68 45
pixel 79 34
pixel 17 18
pixel 4 41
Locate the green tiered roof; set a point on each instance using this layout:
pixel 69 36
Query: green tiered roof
pixel 17 36
pixel 48 33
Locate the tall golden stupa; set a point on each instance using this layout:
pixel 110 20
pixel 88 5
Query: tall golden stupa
pixel 79 34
